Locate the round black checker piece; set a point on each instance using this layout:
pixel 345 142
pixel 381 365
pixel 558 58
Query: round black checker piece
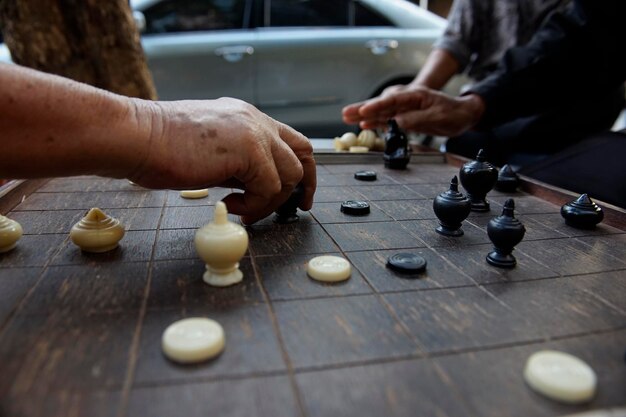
pixel 365 175
pixel 406 263
pixel 355 208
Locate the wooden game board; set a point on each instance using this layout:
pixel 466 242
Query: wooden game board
pixel 80 334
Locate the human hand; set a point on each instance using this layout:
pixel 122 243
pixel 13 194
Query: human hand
pixel 228 143
pixel 418 109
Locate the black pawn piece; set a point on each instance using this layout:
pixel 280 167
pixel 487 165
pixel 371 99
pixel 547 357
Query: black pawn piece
pixel 397 153
pixel 505 232
pixel 288 212
pixel 478 178
pixel 582 213
pixel 451 208
pixel 507 180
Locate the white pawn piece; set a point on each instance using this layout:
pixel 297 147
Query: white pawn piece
pixel 329 268
pixel 204 192
pixel 97 232
pixel 221 244
pixel 367 138
pixel 560 376
pixel 10 232
pixel 348 139
pixel 359 149
pixel 193 340
pixel 338 145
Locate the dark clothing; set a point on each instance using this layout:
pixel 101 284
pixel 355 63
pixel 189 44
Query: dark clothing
pixel 531 138
pixel 594 166
pixel 479 32
pixel 577 55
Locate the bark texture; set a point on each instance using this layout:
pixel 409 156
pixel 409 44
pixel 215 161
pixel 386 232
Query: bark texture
pixel 92 41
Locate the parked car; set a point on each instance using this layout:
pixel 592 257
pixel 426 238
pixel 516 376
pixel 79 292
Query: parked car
pixel 300 61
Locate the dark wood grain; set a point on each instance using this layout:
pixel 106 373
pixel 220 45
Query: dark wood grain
pixel 177 284
pixel 80 334
pixel 471 261
pixel 102 288
pixel 324 332
pixel 509 396
pixel 425 231
pixel 438 273
pixel 52 352
pixel 14 285
pixel 367 236
pixel 331 213
pixel 285 278
pixel 290 239
pixel 135 246
pixel 406 388
pixel 249 337
pixel 461 318
pixel 262 397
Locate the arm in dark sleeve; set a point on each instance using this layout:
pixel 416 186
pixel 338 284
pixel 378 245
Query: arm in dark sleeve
pixel 578 53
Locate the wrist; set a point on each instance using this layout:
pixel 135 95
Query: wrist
pixel 474 106
pixel 134 131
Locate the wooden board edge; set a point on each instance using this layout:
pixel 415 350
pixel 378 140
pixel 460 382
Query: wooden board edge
pixel 343 157
pixel 14 192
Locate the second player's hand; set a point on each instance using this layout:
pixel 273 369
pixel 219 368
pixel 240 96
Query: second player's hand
pixel 421 110
pixel 226 142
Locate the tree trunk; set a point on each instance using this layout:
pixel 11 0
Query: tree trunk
pixel 92 41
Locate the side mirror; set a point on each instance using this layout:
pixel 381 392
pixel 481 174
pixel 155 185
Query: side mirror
pixel 140 21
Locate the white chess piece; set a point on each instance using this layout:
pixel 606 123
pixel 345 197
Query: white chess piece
pixel 221 244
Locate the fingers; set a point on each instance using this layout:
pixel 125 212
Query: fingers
pixel 287 162
pixel 303 150
pixel 262 184
pixel 391 105
pixel 351 114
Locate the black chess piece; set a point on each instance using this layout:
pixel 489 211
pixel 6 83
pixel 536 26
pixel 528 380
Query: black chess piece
pixel 582 213
pixel 508 181
pixel 288 211
pixel 478 178
pixel 504 231
pixel 451 208
pixel 397 153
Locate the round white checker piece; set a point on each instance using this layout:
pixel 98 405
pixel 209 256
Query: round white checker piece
pixel 193 340
pixel 204 192
pixel 329 268
pixel 560 376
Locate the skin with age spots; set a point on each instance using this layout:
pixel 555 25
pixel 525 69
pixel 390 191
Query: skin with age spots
pixel 154 144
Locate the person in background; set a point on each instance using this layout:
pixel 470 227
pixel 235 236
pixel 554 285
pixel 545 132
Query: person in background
pixel 575 57
pixel 53 126
pixel 478 34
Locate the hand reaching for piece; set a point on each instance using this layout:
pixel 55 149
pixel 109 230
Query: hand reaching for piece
pixel 418 109
pixel 228 143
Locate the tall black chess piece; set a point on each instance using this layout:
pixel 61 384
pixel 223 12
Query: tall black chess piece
pixel 451 208
pixel 288 212
pixel 508 181
pixel 478 178
pixel 505 232
pixel 397 153
pixel 582 213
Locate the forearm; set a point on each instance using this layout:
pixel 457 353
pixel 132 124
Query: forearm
pixel 103 134
pixel 437 71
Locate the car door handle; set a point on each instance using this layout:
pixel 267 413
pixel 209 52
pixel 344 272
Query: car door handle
pixel 234 53
pixel 381 46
